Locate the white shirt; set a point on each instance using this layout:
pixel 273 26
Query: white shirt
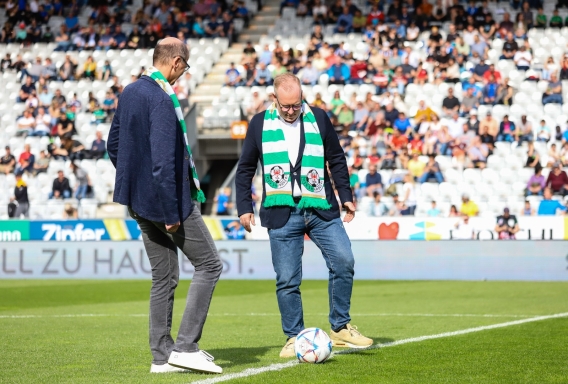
pixel 411 199
pixel 292 136
pixel 455 127
pixel 320 10
pixel 463 231
pixel 523 58
pixel 468 36
pixel 34 7
pixel 42 123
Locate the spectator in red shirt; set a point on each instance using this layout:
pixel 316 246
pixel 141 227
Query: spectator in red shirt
pixel 492 72
pixel 26 161
pixel 358 72
pixel 374 157
pixel 415 145
pixel 398 140
pixel 558 181
pixel 375 16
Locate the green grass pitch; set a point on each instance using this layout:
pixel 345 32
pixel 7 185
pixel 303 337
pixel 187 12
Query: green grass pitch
pixel 96 332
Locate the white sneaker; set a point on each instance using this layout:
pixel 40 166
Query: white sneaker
pixel 199 361
pixel 166 368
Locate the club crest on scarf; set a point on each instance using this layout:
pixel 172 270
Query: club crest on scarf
pixel 312 182
pixel 277 178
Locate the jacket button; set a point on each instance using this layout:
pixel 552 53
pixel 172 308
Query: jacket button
pixel 187 157
pixel 187 178
pixel 295 173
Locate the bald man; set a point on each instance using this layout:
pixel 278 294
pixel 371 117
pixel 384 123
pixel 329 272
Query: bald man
pixel 157 181
pixel 296 145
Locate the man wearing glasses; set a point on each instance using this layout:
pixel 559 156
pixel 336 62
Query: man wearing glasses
pixel 299 151
pixel 157 181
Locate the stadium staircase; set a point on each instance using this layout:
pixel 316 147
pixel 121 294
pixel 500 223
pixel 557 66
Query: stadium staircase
pixel 210 88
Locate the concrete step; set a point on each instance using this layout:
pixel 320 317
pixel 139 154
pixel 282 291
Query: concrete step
pixel 215 78
pixel 270 10
pixel 262 18
pixel 219 133
pixel 228 60
pixel 255 37
pixel 257 29
pixel 203 100
pixel 207 89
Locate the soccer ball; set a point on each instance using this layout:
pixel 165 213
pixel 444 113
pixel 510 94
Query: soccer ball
pixel 312 345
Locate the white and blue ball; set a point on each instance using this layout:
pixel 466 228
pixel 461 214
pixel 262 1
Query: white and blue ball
pixel 312 345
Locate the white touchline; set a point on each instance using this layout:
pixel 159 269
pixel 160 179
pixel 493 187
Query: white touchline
pixel 278 367
pixel 269 314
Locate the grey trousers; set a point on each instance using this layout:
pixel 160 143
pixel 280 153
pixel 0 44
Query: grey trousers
pixel 195 241
pixel 22 209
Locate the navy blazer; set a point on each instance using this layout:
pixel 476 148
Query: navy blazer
pixel 146 146
pixel 277 217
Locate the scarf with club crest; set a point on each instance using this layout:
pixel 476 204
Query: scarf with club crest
pixel 277 181
pixel 152 72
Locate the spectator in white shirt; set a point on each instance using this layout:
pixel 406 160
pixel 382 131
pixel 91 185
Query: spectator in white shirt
pixel 455 125
pixel 468 35
pixel 522 59
pixel 463 230
pixel 26 123
pixel 42 123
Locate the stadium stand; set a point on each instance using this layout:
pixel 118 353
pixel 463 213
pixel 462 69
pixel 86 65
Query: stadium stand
pixel 517 73
pixel 63 68
pixel 401 83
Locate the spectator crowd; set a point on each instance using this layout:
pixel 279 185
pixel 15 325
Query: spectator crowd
pixel 118 25
pixel 377 134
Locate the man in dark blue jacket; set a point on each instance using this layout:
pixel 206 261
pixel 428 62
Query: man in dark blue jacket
pixel 154 179
pixel 294 143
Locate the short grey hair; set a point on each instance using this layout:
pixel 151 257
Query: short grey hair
pixel 163 53
pixel 286 81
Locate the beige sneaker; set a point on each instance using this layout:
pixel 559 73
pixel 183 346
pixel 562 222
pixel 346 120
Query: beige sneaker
pixel 350 338
pixel 288 350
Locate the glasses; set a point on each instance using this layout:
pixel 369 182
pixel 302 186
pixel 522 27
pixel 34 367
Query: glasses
pixel 286 108
pixel 186 64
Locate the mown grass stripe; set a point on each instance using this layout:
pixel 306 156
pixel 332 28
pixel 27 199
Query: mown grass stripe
pixel 278 367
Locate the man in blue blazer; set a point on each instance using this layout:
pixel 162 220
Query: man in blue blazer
pixel 155 178
pixel 299 150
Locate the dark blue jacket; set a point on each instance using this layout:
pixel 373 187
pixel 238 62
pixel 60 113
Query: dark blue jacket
pixel 277 217
pixel 146 146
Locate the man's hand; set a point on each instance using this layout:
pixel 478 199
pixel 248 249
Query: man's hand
pixel 246 220
pixel 350 215
pixel 172 227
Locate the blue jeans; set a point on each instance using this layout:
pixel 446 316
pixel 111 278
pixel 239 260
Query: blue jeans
pixel 557 99
pixel 426 175
pixel 505 137
pixel 287 246
pixel 81 192
pixel 66 194
pixel 25 73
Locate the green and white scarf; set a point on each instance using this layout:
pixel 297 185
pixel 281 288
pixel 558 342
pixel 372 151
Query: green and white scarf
pixel 154 73
pixel 277 180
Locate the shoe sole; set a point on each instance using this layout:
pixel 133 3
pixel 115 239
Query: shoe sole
pixel 194 369
pixel 166 372
pixel 343 344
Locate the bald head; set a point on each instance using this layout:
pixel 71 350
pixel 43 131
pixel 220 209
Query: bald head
pixel 288 92
pixel 167 49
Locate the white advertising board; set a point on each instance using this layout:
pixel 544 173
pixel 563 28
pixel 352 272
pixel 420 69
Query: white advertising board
pixel 413 260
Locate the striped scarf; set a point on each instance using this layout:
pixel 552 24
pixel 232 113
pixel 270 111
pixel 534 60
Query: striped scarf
pixel 152 72
pixel 277 163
